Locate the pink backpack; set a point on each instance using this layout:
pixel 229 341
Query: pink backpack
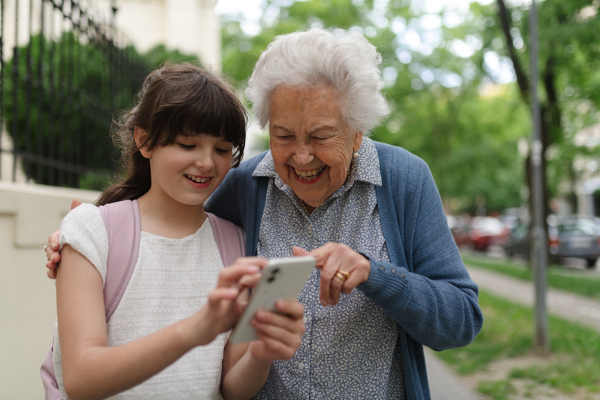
pixel 122 221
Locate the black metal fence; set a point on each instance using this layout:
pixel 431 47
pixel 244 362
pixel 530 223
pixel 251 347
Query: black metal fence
pixel 64 72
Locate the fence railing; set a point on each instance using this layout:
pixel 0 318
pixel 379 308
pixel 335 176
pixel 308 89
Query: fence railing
pixel 64 71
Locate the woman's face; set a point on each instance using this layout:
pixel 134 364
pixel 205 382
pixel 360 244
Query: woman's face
pixel 311 146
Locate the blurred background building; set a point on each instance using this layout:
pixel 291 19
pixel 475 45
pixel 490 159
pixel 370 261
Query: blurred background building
pixel 190 26
pixel 588 191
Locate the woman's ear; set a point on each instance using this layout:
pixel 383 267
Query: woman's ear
pixel 140 136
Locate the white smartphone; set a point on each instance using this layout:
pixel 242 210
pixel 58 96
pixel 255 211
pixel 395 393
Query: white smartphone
pixel 282 278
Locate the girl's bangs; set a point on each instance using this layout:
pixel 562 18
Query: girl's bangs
pixel 211 115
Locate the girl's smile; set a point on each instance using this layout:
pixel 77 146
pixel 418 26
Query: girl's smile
pixel 198 181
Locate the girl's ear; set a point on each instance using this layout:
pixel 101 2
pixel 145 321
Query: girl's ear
pixel 140 135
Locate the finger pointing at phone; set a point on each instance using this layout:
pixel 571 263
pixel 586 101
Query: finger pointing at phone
pixel 342 270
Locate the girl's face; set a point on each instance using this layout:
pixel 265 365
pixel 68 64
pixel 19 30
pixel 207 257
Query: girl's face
pixel 189 170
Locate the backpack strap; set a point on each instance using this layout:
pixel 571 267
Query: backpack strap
pixel 122 221
pixel 229 237
pixel 51 390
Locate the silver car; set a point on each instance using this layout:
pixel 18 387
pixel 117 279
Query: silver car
pixel 568 236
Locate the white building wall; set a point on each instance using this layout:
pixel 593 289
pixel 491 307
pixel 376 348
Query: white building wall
pixel 28 214
pixel 588 169
pixel 7 161
pixel 142 21
pixel 190 26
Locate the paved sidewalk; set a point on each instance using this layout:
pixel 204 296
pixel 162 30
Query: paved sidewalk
pixel 444 384
pixel 566 305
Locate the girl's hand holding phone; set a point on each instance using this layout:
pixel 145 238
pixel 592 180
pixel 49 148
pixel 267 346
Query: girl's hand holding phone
pixel 280 334
pixel 227 301
pixel 270 328
pixel 273 320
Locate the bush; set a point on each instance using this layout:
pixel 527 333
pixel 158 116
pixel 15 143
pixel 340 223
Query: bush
pixel 59 103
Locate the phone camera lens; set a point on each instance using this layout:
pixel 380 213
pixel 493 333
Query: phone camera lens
pixel 274 272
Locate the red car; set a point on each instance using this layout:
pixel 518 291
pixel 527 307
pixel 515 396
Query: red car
pixel 487 231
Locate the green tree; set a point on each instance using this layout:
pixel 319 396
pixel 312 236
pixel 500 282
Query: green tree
pixel 569 61
pixel 469 141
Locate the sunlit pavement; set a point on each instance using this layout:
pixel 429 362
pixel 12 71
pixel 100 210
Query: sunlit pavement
pixel 444 384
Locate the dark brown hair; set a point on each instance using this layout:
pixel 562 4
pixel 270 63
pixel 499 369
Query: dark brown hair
pixel 176 99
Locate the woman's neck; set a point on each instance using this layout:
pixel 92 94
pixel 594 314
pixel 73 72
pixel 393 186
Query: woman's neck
pixel 308 208
pixel 169 218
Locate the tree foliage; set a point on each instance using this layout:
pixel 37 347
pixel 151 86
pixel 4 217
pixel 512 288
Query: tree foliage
pixel 469 139
pixel 569 65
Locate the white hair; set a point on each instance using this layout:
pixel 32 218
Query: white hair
pixel 318 57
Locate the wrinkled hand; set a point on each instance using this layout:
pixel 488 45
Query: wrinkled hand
pixel 279 335
pixel 53 248
pixel 334 257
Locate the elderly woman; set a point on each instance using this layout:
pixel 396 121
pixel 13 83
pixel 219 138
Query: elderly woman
pixel 390 278
pixel 369 212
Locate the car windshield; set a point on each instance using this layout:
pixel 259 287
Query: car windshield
pixel 488 225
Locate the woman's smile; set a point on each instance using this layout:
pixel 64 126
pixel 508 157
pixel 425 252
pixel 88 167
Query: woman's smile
pixel 310 175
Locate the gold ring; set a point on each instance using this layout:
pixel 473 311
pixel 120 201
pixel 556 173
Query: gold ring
pixel 45 247
pixel 342 275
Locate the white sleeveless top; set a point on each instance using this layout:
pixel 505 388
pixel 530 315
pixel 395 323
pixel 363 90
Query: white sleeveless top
pixel 171 281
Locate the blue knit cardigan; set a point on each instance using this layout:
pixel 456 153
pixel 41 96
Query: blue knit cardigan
pixel 425 288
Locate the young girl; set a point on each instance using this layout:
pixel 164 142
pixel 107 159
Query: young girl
pixel 167 337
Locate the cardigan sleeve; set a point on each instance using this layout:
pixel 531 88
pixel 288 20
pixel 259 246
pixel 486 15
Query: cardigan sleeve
pixel 428 292
pixel 240 199
pixel 224 201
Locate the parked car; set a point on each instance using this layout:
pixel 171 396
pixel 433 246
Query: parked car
pixel 459 226
pixel 487 231
pixel 568 236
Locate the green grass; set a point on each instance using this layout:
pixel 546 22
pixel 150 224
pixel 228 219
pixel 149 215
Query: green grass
pixel 578 282
pixel 497 390
pixel 508 332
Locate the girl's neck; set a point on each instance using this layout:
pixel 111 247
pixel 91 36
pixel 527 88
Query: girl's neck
pixel 169 218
